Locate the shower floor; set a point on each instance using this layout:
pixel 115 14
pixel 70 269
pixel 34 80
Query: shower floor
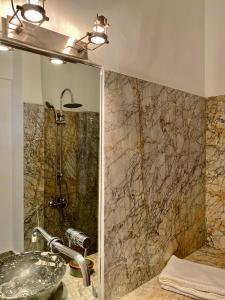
pixel 151 290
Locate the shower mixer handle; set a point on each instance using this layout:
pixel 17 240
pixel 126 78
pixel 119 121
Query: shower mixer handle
pixel 59 176
pixel 58 202
pixel 78 238
pixel 60 120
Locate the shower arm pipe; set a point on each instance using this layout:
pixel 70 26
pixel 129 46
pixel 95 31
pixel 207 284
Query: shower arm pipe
pixel 61 98
pixel 56 245
pixel 60 158
pixel 58 155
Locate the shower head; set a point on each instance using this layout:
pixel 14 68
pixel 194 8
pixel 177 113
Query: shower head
pixel 49 105
pixel 72 105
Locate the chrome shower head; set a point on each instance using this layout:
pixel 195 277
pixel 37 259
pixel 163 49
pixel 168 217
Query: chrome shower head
pixel 72 105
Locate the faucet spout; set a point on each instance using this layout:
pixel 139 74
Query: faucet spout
pixel 79 259
pixel 56 245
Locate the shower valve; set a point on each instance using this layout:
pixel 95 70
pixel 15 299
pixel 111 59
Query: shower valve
pixel 58 202
pixel 78 238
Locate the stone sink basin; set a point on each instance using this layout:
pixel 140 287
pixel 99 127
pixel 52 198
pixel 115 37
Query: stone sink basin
pixel 31 275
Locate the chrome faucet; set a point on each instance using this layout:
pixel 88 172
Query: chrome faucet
pixel 55 244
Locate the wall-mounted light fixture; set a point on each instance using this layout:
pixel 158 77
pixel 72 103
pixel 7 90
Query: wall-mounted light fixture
pixel 25 26
pixel 32 11
pixel 98 36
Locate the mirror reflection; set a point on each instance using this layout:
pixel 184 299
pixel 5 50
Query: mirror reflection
pixel 51 112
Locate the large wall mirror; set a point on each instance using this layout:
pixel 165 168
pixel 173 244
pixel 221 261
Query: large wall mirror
pixel 50 165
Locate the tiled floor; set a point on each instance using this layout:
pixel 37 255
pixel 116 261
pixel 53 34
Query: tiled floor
pixel 152 291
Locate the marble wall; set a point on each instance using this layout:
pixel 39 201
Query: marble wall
pixel 80 168
pixel 154 179
pixel 80 179
pixel 33 172
pixel 215 172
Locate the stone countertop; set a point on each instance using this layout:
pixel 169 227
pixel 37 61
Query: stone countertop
pixel 72 288
pixel 151 290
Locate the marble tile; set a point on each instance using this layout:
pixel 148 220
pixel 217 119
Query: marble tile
pixel 215 172
pixel 33 171
pixel 152 290
pixel 80 168
pixel 154 179
pixel 80 179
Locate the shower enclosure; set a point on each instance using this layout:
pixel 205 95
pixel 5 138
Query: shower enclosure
pixel 60 199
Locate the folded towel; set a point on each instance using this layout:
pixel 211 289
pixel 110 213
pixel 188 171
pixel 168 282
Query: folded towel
pixel 194 280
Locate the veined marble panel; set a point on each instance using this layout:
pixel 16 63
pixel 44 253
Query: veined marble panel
pixel 152 290
pixel 215 172
pixel 33 172
pixel 80 168
pixel 80 174
pixel 154 179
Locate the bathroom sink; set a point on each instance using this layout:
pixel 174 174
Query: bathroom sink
pixel 31 275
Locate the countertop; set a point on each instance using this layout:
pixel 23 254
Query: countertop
pixel 72 288
pixel 151 290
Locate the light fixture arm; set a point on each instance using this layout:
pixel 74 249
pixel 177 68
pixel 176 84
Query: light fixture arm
pixel 15 14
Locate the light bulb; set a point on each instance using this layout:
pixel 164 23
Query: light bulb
pixel 36 2
pixel 98 40
pixel 33 16
pixel 4 48
pixel 56 61
pixel 33 13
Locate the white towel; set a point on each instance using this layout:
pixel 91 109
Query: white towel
pixel 193 280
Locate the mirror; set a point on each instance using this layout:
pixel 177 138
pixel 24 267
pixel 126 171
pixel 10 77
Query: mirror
pixel 50 160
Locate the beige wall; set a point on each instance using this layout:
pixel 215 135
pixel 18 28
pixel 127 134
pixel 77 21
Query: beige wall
pixel 6 166
pixel 215 48
pixel 156 40
pixel 43 81
pixel 11 191
pixel 82 80
pixel 178 43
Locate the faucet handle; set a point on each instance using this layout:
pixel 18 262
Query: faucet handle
pixel 78 238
